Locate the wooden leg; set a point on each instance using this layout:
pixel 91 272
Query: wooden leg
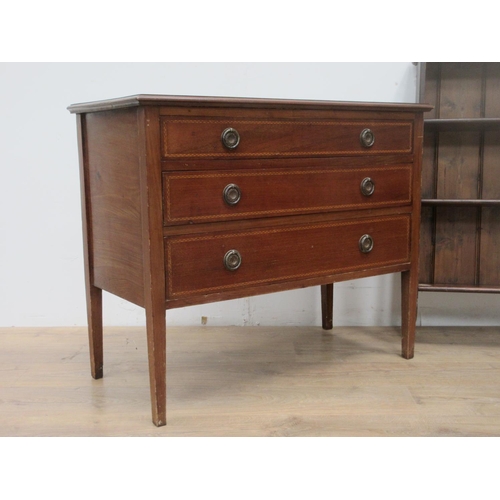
pixel 154 259
pixel 327 306
pixel 93 294
pixel 94 316
pixel 409 295
pixel 157 355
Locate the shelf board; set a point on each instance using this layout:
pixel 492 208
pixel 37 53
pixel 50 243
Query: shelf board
pixel 462 124
pixel 472 203
pixel 427 287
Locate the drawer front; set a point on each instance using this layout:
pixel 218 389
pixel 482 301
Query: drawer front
pixel 203 138
pixel 202 264
pixel 204 197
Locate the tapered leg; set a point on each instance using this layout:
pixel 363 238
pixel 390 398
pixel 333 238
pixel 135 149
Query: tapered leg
pixel 157 355
pixel 94 316
pixel 154 259
pixel 93 294
pixel 327 306
pixel 409 295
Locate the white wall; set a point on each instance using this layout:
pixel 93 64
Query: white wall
pixel 41 266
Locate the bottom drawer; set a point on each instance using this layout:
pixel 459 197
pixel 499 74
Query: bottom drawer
pixel 212 263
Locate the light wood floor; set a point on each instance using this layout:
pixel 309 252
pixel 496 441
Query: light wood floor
pixel 231 381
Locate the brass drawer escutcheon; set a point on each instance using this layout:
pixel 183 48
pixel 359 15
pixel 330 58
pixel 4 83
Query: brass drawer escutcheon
pixel 366 243
pixel 232 260
pixel 367 138
pixel 230 138
pixel 367 186
pixel 231 194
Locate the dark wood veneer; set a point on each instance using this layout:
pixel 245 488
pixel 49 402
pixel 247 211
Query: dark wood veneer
pixel 199 137
pixel 171 102
pixel 113 187
pixel 197 196
pixel 195 262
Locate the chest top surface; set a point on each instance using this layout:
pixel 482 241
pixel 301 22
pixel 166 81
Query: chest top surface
pixel 237 102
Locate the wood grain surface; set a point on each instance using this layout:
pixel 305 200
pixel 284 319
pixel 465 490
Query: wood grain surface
pixel 183 102
pixel 154 270
pixel 195 263
pixel 202 137
pixel 254 381
pixel 115 200
pixel 197 197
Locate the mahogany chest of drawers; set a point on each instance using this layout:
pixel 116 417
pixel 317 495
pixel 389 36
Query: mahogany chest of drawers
pixel 190 200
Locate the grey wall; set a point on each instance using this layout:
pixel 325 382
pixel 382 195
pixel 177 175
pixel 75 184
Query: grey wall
pixel 41 266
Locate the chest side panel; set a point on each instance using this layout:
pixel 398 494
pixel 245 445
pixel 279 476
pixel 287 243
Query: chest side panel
pixel 113 163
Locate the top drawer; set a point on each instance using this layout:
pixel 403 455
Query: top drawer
pixel 204 138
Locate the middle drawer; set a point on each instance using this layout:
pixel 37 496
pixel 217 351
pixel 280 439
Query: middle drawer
pixel 224 195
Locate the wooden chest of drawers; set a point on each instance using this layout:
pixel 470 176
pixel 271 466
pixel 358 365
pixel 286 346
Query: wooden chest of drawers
pixel 191 200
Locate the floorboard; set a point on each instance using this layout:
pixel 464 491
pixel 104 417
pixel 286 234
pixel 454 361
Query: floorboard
pixel 254 381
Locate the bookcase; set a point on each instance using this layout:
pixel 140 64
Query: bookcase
pixel 460 225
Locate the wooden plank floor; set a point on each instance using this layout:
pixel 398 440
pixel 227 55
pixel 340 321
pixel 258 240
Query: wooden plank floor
pixel 254 381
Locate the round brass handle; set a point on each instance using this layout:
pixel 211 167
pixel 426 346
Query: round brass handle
pixel 231 194
pixel 367 186
pixel 230 138
pixel 232 260
pixel 367 138
pixel 366 243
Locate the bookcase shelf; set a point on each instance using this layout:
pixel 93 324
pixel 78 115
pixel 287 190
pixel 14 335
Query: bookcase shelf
pixel 433 124
pixel 461 203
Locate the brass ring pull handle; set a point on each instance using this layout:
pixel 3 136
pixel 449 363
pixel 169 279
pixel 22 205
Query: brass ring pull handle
pixel 232 260
pixel 366 243
pixel 231 194
pixel 230 138
pixel 367 138
pixel 367 186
